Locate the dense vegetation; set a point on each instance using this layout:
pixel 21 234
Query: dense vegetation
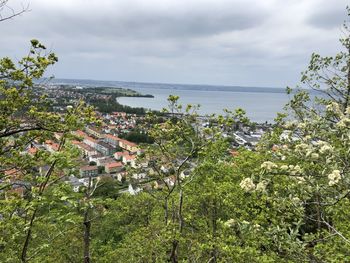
pixel 288 201
pixel 112 106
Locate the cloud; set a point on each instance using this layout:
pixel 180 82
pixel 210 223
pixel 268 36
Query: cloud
pixel 328 14
pixel 234 42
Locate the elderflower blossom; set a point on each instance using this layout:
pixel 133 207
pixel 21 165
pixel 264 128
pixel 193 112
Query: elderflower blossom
pixel 301 147
pixel 334 177
pixel 268 165
pixel 296 200
pixel 294 170
pixel 326 148
pixel 347 111
pixel 334 107
pixel 290 124
pixel 247 185
pixel 300 179
pixel 230 223
pixel 314 156
pixel 284 167
pixel 302 125
pixel 343 123
pixel 261 186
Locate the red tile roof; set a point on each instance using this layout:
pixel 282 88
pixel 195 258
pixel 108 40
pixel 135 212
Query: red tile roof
pixel 89 168
pixel 114 165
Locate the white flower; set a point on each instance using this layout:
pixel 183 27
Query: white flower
pixel 290 124
pixel 268 165
pixel 261 186
pixel 334 107
pixel 230 223
pixel 302 125
pixel 296 200
pixel 284 167
pixel 326 148
pixel 347 111
pixel 334 177
pixel 307 138
pixel 295 169
pixel 314 156
pixel 247 185
pixel 343 123
pixel 300 179
pixel 301 147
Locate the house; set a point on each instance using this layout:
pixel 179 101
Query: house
pixel 114 167
pixel 130 160
pixel 104 148
pixel 139 176
pixel 129 146
pixel 105 160
pixel 94 132
pixel 133 191
pixel 112 140
pixel 80 134
pixel 90 141
pixel 120 176
pixel 86 171
pixel 51 146
pixel 32 150
pixel 76 183
pixel 96 158
pixel 87 150
pixel 119 155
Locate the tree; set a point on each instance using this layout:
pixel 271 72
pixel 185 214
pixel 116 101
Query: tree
pixel 307 171
pixel 25 122
pixel 7 12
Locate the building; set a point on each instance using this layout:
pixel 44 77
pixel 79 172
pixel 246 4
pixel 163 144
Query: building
pixel 130 160
pixel 129 146
pixel 104 148
pixel 114 167
pixel 51 146
pixel 94 132
pixel 90 141
pixel 119 155
pixel 87 171
pixel 112 140
pixel 87 150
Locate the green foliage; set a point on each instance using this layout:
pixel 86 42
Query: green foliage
pixel 287 201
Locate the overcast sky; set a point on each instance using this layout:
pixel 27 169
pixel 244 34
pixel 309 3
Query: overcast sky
pixel 228 42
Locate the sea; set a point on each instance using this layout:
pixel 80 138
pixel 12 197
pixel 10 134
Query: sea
pixel 260 103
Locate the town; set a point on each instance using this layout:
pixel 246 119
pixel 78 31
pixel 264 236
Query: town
pixel 111 150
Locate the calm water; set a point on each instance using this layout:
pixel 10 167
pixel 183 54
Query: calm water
pixel 261 104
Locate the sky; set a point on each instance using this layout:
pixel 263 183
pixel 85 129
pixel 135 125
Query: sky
pixel 263 43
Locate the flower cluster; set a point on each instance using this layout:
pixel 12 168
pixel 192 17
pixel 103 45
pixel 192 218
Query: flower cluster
pixel 334 107
pixel 344 122
pixel 230 223
pixel 261 186
pixel 291 169
pixel 268 166
pixel 301 147
pixel 247 185
pixel 334 177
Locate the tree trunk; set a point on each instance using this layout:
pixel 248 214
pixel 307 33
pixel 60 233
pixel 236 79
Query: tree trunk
pixel 346 103
pixel 87 225
pixel 214 227
pixel 174 251
pixel 87 229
